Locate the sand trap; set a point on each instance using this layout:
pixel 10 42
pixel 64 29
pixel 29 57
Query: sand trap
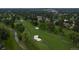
pixel 65 20
pixel 36 37
pixel 37 28
pixel 21 20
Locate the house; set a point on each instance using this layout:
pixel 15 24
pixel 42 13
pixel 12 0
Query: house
pixel 69 24
pixel 47 19
pixel 39 18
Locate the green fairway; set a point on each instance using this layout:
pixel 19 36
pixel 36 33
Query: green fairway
pixel 49 40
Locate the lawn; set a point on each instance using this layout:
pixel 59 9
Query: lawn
pixel 49 40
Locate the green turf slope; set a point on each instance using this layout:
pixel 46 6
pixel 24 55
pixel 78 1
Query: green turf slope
pixel 49 40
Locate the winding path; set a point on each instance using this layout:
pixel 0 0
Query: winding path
pixel 17 39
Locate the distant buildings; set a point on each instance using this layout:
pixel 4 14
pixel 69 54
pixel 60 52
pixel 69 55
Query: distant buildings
pixel 69 23
pixel 40 18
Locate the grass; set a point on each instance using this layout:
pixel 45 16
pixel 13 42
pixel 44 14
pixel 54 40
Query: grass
pixel 49 40
pixel 10 43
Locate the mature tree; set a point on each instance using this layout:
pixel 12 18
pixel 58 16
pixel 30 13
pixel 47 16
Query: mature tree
pixel 76 27
pixel 61 23
pixel 75 39
pixel 51 25
pixel 34 21
pixel 3 34
pixel 20 27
